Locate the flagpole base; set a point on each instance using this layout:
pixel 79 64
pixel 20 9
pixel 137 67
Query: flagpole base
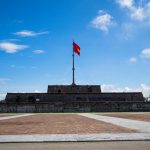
pixel 73 84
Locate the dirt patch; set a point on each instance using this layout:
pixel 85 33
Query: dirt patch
pixel 58 124
pixel 134 116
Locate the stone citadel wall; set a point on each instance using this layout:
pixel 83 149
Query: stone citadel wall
pixel 72 97
pixel 74 107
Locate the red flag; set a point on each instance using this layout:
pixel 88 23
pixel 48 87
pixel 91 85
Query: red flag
pixel 76 48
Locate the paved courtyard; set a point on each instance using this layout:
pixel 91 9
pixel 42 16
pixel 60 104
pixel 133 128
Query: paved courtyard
pixel 57 124
pixel 74 127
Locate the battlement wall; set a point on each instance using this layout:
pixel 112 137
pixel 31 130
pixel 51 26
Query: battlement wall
pixel 74 89
pixel 73 97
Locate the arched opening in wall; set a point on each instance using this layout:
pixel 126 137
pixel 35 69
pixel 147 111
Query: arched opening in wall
pixel 59 91
pixel 31 99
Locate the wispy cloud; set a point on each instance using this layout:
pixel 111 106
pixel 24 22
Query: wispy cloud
pixel 16 66
pixel 14 40
pixel 10 47
pixel 127 31
pixel 125 3
pixel 2 96
pixel 145 53
pixel 110 88
pixel 3 81
pixel 132 59
pixel 12 66
pixel 28 33
pixel 103 21
pixel 18 21
pixel 37 91
pixel 144 88
pixel 138 12
pixel 38 51
pixel 34 67
pixel 22 67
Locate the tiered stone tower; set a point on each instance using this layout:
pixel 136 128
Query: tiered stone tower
pixel 74 98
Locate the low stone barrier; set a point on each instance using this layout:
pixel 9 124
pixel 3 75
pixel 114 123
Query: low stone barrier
pixel 74 107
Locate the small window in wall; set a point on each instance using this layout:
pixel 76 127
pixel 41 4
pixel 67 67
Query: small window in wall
pixel 59 91
pixel 89 89
pixel 31 99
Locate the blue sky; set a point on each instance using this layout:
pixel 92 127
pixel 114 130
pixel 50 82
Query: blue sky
pixel 36 44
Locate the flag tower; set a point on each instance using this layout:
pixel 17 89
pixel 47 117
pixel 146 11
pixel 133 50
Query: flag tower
pixel 76 49
pixel 73 69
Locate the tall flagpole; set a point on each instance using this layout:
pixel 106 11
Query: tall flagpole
pixel 73 69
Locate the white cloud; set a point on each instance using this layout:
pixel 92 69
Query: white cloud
pixel 110 88
pixel 38 51
pixel 145 53
pixel 10 47
pixel 2 96
pixel 103 21
pixel 141 13
pixel 132 59
pixel 136 12
pixel 145 89
pixel 126 3
pixel 28 33
pixel 37 91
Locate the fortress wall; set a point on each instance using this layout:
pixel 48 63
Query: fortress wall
pixel 75 107
pixel 72 97
pixel 74 89
pixel 71 102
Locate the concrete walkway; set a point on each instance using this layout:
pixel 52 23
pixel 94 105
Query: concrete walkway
pixel 74 137
pixel 141 126
pixel 113 145
pixel 16 116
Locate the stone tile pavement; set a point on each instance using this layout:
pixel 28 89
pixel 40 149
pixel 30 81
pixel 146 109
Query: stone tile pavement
pixel 58 124
pixel 77 127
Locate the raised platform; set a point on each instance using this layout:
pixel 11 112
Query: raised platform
pixel 74 89
pixel 74 98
